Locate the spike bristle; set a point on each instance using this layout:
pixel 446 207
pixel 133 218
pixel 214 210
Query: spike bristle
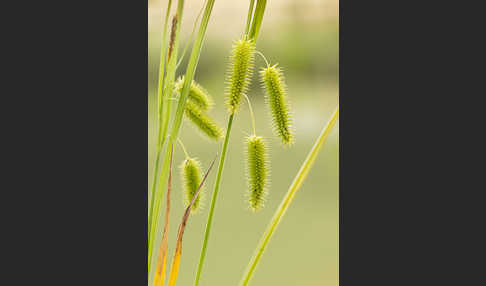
pixel 277 99
pixel 204 123
pixel 257 170
pixel 239 73
pixel 197 94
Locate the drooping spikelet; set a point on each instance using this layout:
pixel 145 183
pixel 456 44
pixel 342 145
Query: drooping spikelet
pixel 191 177
pixel 203 122
pixel 239 73
pixel 197 94
pixel 257 171
pixel 277 99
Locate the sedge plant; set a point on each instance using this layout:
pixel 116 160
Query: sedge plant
pixel 240 72
pixel 154 214
pixel 288 198
pixel 194 103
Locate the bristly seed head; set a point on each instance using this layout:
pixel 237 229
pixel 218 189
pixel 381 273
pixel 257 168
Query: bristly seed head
pixel 197 94
pixel 277 99
pixel 257 171
pixel 239 73
pixel 203 122
pixel 191 177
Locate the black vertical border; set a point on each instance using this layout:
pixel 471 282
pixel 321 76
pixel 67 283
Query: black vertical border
pixel 77 179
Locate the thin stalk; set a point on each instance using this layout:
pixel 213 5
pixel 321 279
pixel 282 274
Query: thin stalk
pixel 257 19
pixel 164 118
pixel 186 47
pixel 162 262
pixel 174 271
pixel 156 171
pixel 189 76
pixel 251 115
pixel 207 232
pixel 251 33
pixel 263 56
pixel 159 142
pixel 183 148
pixel 248 19
pixel 162 59
pixel 294 187
pixel 172 54
pixel 158 197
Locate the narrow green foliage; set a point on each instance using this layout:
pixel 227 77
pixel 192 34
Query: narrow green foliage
pixel 250 13
pixel 191 176
pixel 277 99
pixel 257 19
pixel 207 231
pixel 289 197
pixel 155 226
pixel 197 94
pixel 257 171
pixel 203 122
pixel 239 73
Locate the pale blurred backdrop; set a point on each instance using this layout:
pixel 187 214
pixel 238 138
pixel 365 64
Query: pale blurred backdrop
pixel 302 36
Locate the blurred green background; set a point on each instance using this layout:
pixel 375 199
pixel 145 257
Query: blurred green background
pixel 302 36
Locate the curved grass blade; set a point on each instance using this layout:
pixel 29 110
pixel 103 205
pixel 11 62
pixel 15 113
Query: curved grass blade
pixel 162 261
pixel 164 117
pixel 284 205
pixel 259 9
pixel 257 19
pixel 174 271
pixel 174 133
pixel 192 35
pixel 159 122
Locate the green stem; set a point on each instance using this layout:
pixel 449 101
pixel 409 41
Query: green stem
pixel 171 68
pixel 175 128
pixel 294 187
pixel 256 20
pixel 248 19
pixel 251 115
pixel 154 183
pixel 183 148
pixel 162 59
pixel 186 47
pixel 164 121
pixel 264 58
pixel 160 139
pixel 213 200
pixel 167 110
